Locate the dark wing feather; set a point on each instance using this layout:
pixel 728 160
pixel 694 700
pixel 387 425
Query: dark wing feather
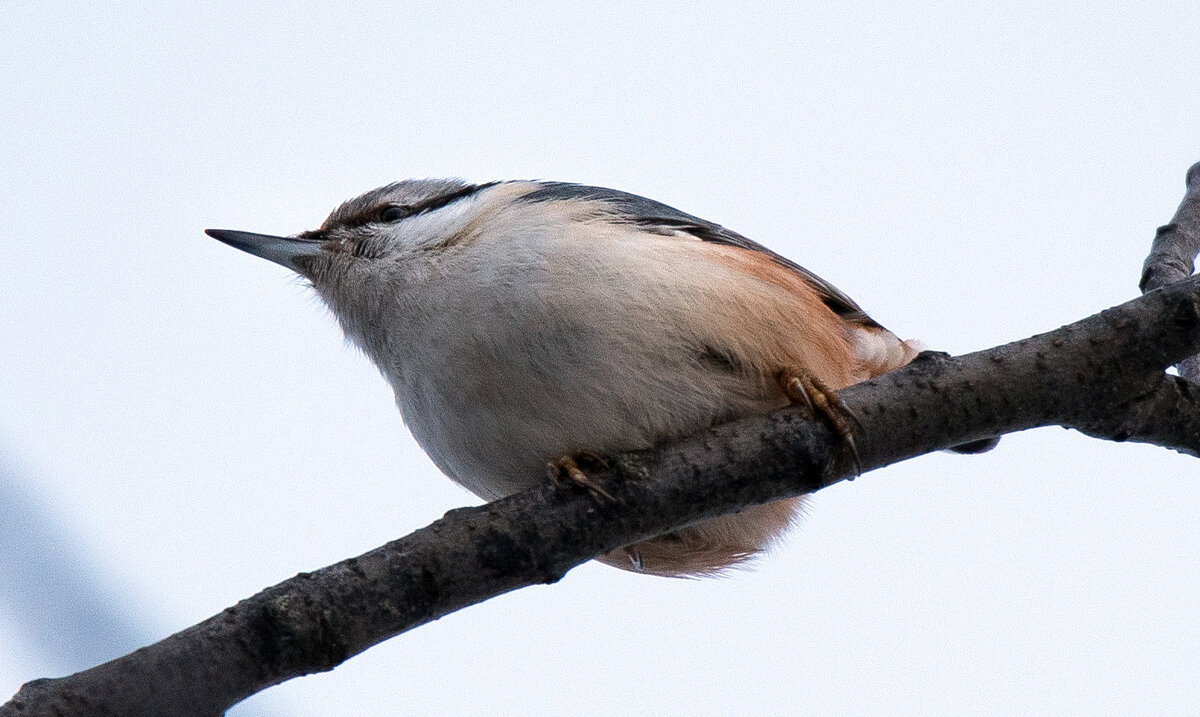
pixel 658 216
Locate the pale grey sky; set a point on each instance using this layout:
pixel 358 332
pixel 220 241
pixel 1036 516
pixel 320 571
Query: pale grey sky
pixel 189 425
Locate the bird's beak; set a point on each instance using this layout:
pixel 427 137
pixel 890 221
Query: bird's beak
pixel 281 250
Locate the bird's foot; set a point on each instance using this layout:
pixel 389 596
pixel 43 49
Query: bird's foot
pixel 567 469
pixel 822 402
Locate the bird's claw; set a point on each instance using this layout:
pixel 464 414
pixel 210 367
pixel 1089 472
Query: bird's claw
pixel 567 468
pixel 804 389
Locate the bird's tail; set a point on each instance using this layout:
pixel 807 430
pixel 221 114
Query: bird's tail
pixel 879 351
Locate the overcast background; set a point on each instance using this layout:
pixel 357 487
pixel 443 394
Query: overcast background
pixel 181 424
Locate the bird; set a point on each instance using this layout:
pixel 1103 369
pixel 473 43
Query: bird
pixel 525 324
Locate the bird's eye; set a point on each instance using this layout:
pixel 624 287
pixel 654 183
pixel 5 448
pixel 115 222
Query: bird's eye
pixel 395 212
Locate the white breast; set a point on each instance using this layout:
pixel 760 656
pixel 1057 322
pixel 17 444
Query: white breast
pixel 580 338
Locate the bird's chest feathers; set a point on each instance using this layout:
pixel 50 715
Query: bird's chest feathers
pixel 516 360
pixel 499 385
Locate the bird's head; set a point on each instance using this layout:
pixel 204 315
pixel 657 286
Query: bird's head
pixel 368 259
pixel 391 222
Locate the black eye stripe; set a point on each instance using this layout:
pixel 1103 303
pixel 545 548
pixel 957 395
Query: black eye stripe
pixel 396 212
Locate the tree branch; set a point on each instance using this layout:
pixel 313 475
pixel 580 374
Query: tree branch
pixel 1103 375
pixel 1173 252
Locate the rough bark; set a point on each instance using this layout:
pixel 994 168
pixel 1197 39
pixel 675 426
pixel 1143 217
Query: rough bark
pixel 1171 255
pixel 1104 376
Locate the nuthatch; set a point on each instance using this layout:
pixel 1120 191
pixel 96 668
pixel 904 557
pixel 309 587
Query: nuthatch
pixel 523 323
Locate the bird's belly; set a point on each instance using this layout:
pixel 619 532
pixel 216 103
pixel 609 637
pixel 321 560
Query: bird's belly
pixel 492 422
pixel 522 360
